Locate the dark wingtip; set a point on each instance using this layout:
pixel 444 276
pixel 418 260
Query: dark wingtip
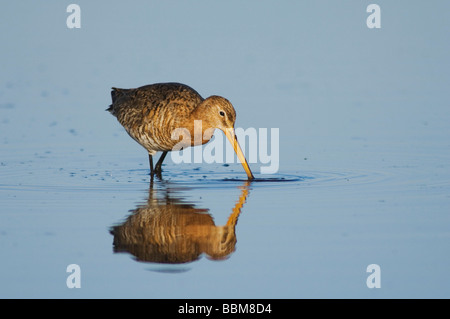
pixel 115 93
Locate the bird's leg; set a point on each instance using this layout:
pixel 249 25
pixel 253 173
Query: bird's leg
pixel 150 159
pixel 160 161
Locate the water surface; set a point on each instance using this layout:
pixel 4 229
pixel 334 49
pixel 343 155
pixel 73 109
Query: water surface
pixel 364 173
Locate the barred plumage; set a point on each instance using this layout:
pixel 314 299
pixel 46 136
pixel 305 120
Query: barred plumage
pixel 151 114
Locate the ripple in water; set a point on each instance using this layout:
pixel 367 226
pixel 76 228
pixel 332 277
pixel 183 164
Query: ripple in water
pixel 218 179
pixel 25 176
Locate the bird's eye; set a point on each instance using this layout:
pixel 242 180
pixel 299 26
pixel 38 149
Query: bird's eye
pixel 222 113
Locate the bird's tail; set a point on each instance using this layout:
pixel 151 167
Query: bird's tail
pixel 115 94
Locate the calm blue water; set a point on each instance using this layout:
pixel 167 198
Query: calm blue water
pixel 364 154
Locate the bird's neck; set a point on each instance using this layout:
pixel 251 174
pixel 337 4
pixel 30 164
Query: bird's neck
pixel 199 129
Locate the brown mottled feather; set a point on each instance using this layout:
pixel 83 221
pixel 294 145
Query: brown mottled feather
pixel 151 113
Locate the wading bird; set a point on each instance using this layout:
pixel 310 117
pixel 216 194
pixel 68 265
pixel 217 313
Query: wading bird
pixel 151 115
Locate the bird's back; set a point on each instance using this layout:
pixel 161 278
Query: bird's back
pixel 153 96
pixel 150 113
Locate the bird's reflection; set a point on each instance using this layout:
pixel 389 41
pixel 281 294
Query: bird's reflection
pixel 169 230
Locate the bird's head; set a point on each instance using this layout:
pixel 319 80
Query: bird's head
pixel 219 113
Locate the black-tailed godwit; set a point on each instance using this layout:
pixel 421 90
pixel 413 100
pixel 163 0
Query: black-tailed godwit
pixel 152 113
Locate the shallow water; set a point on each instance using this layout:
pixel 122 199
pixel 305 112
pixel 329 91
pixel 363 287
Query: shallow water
pixel 364 172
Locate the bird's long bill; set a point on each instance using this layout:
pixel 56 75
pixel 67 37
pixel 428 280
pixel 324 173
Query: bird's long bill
pixel 233 140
